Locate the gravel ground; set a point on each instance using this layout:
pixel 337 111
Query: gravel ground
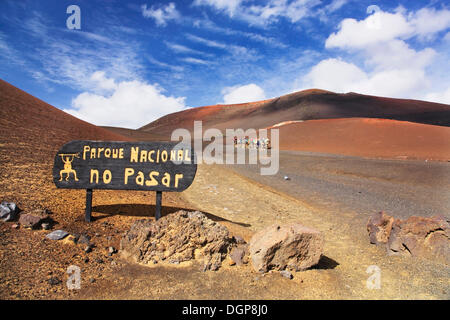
pixel 402 188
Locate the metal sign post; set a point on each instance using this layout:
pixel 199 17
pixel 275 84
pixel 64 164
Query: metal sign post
pixel 88 216
pixel 158 205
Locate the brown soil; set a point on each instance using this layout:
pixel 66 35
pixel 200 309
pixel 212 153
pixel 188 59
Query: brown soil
pixel 376 138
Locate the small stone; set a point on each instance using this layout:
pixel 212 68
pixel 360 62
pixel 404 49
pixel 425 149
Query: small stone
pixel 54 281
pixel 238 254
pixel 15 226
pixel 8 211
pixel 286 274
pixel 91 280
pixel 84 239
pixel 86 260
pixel 57 235
pixel 88 249
pixel 379 227
pixel 287 178
pixel 112 250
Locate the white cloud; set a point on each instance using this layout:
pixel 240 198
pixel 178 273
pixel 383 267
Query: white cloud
pixel 61 58
pixel 131 104
pixel 229 6
pixel 441 97
pixel 340 76
pixel 378 27
pixel 261 15
pixel 210 25
pixel 240 94
pixel 196 61
pixel 335 75
pixel 235 50
pixel 385 26
pixel 209 43
pixel 165 65
pixel 102 83
pixel 183 49
pixel 390 66
pixel 428 21
pixel 335 5
pixel 161 15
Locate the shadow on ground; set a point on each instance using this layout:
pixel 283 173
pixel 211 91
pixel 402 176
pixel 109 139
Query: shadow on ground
pixel 326 263
pixel 146 210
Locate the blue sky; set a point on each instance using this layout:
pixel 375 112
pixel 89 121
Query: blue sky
pixel 134 61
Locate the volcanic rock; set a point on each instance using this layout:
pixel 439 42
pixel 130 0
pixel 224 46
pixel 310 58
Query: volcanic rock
pixel 29 221
pixel 180 236
pixel 286 274
pixel 291 246
pixel 57 235
pixel 84 239
pixel 421 237
pixel 239 254
pixel 379 227
pixel 8 211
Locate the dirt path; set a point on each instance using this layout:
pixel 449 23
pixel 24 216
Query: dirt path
pixel 245 207
pixel 243 201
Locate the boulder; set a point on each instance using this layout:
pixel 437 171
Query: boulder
pixel 292 246
pixel 421 237
pixel 9 211
pixel 177 237
pixel 379 227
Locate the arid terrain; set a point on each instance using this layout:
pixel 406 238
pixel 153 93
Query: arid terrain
pixel 33 267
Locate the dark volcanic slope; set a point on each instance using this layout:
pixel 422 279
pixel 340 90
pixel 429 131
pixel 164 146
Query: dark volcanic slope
pixel 303 105
pixel 26 120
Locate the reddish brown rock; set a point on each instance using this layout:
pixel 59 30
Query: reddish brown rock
pixel 178 237
pixel 34 218
pixel 421 237
pixel 239 254
pixel 30 221
pixel 379 227
pixel 291 246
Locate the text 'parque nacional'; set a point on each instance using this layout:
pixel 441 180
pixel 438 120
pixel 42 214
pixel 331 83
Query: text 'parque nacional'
pixel 151 166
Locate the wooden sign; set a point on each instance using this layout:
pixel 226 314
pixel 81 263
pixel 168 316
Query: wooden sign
pixel 149 166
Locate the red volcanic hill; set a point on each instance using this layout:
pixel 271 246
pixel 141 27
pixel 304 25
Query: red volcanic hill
pixel 368 138
pixel 29 123
pixel 304 105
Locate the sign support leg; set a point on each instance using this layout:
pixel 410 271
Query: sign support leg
pixel 158 205
pixel 87 217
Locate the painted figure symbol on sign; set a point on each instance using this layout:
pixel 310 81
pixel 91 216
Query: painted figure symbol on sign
pixel 67 158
